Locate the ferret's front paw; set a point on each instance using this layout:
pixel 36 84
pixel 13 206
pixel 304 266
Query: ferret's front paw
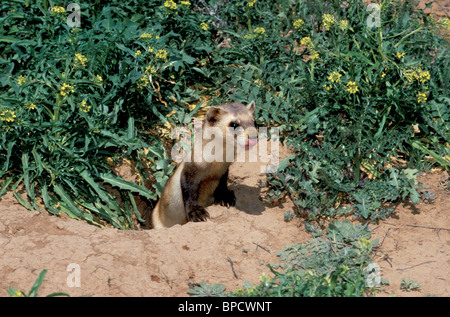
pixel 197 214
pixel 225 198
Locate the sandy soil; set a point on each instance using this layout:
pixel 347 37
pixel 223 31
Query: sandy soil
pixel 165 262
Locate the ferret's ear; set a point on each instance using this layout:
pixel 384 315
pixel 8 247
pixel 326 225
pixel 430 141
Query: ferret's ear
pixel 251 107
pixel 214 114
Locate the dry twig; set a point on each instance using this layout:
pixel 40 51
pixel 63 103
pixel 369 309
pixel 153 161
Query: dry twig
pixel 232 267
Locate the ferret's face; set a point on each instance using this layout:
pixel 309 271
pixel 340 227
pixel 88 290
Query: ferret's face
pixel 237 122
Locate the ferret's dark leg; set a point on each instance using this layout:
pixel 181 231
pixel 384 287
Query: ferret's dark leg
pixel 222 195
pixel 190 187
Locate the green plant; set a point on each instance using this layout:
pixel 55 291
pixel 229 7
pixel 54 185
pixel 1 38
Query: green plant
pixel 205 290
pixel 76 101
pixel 409 285
pixel 350 99
pixel 331 265
pixel 34 289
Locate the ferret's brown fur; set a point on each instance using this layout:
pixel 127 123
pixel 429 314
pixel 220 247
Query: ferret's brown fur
pixel 197 184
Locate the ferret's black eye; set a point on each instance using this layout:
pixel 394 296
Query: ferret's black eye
pixel 234 125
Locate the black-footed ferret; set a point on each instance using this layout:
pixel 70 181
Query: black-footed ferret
pixel 198 183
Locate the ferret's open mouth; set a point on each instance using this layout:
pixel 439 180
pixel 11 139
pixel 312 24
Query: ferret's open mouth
pixel 250 143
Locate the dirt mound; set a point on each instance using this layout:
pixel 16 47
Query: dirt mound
pixel 164 262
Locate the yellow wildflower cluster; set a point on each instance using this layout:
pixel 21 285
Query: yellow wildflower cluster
pixel 162 54
pixel 251 3
pixel 327 87
pixel 421 97
pixel 445 23
pixel 335 77
pixel 8 116
pixel 66 89
pixel 80 60
pixel 418 74
pixel 85 107
pixel 306 41
pixel 400 55
pixel 343 25
pixel 98 80
pixel 328 21
pixel 30 106
pixel 298 24
pixel 204 26
pixel 352 87
pixel 138 53
pixel 146 36
pixel 58 10
pixel 260 30
pixel 170 4
pixel 185 3
pixel 142 82
pixel 314 54
pixel 150 69
pixel 22 80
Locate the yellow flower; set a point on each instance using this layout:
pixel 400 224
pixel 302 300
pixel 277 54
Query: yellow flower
pixel 423 75
pixel 138 53
pixel 251 3
pixel 150 69
pixel 412 74
pixel 400 55
pixel 351 87
pixel 142 82
pixel 204 26
pixel 146 36
pixel 80 60
pixel 421 97
pixel 328 21
pixel 30 106
pixel 383 74
pixel 343 25
pixel 335 77
pixel 22 80
pixel 98 80
pixel 327 87
pixel 58 10
pixel 314 54
pixel 8 116
pixel 150 49
pixel 66 89
pixel 162 54
pixel 170 4
pixel 84 106
pixel 260 31
pixel 345 269
pixel 306 41
pixel 185 3
pixel 298 24
pixel 445 22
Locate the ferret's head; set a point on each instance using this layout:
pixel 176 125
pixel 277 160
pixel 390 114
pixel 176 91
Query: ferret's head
pixel 236 121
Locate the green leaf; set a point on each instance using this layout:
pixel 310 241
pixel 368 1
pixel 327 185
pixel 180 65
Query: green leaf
pixel 126 185
pixel 70 205
pixel 34 289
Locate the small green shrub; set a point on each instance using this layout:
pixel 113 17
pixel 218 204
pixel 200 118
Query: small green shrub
pixel 409 285
pixel 333 265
